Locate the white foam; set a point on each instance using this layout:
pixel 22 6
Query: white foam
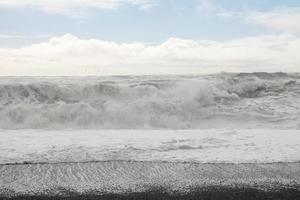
pixel 175 102
pixel 224 145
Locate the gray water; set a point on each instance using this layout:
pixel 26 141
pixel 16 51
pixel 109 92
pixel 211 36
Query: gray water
pixel 256 100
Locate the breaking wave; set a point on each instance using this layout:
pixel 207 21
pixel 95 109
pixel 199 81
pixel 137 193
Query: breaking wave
pixel 135 102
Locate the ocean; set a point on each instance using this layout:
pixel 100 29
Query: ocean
pixel 115 134
pixel 240 101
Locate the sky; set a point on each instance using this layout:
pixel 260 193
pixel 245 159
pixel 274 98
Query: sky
pixel 120 37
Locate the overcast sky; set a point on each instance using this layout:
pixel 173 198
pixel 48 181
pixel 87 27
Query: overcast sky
pixel 117 37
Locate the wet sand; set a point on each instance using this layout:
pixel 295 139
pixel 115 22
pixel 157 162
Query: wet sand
pixel 149 180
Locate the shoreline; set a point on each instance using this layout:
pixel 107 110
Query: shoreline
pixel 133 179
pixel 213 193
pixel 149 161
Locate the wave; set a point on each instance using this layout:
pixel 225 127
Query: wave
pixel 150 101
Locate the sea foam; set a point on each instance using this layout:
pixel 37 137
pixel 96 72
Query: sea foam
pixel 145 102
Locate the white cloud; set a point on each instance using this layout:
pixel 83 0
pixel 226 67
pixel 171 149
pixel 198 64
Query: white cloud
pixel 69 55
pixel 285 20
pixel 69 6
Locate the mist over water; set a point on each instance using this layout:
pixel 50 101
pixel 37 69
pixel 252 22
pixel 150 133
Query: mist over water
pixel 257 100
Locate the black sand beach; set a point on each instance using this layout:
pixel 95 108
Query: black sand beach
pixel 149 180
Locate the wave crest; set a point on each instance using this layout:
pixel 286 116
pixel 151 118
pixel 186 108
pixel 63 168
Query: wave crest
pixel 145 102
